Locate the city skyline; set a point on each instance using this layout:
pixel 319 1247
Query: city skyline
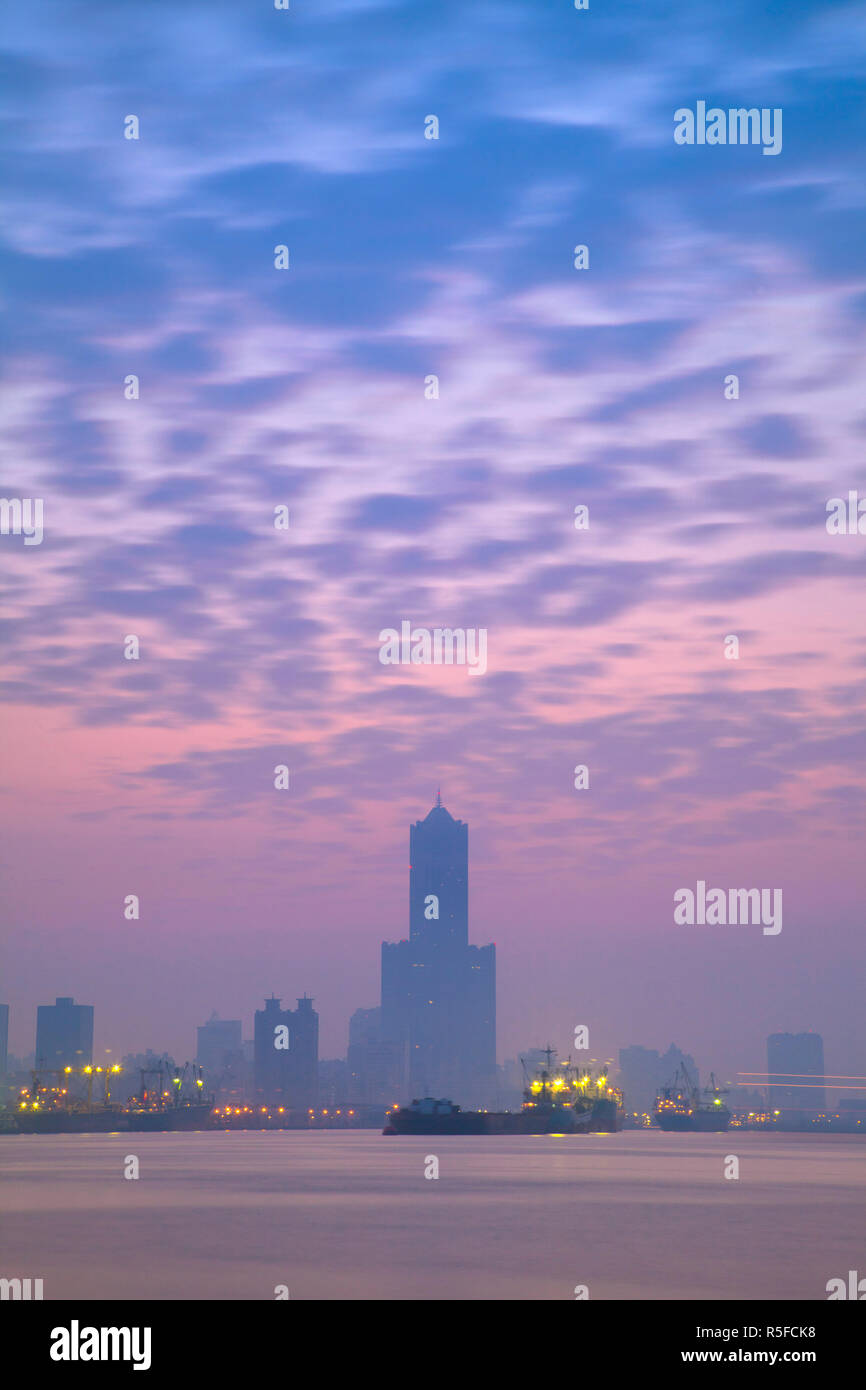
pixel 439 864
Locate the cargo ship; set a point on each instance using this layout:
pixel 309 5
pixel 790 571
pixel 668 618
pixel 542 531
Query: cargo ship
pixel 558 1100
pixel 62 1107
pixel 682 1107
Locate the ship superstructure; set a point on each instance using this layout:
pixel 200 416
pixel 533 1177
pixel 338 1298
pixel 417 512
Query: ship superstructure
pixel 558 1099
pixel 681 1105
pixel 78 1100
pixel 584 1088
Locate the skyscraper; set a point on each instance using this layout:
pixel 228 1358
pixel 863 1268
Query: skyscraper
pixel 219 1051
pixel 4 1038
pixel 219 1045
pixel 287 1054
pixel 64 1035
pixel 438 992
pixel 792 1058
pixel 376 1066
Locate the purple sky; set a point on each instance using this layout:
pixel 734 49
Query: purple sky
pixel 305 387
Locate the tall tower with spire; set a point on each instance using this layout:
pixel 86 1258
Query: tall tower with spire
pixel 438 992
pixel 439 878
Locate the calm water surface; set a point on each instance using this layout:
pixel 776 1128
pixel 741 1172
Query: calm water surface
pixel 333 1215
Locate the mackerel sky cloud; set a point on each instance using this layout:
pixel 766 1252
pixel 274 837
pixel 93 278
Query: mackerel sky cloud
pixel 557 387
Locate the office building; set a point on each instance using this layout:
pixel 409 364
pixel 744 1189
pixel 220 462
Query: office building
pixel 793 1059
pixel 219 1045
pixel 376 1065
pixel 286 1049
pixel 64 1035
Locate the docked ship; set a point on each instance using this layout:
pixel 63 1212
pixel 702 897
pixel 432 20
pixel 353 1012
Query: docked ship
pixel 561 1099
pixel 682 1106
pixel 66 1106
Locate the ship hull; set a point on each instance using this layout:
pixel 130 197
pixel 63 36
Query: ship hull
pixel 488 1122
pixel 183 1117
pixel 607 1117
pixel 71 1122
pixel 698 1122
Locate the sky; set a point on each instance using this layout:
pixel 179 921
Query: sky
pixel 304 388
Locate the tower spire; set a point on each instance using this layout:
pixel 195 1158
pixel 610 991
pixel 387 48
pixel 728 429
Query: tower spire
pixel 438 796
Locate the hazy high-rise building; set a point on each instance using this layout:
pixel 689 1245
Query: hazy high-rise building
pixel 4 1038
pixel 64 1035
pixel 438 992
pixel 376 1065
pixel 219 1045
pixel 220 1054
pixel 792 1058
pixel 287 1054
pixel 333 1085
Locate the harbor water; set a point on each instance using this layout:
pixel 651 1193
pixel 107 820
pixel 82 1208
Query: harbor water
pixel 351 1215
